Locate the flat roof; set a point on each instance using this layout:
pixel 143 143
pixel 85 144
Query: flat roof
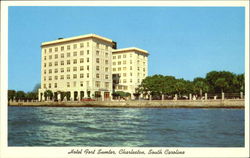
pixel 130 49
pixel 63 40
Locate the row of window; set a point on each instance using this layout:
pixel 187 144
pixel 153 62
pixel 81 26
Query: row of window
pixel 74 54
pixel 73 46
pixel 125 55
pixel 74 69
pixel 125 62
pixel 74 76
pixel 74 61
pixel 125 68
pixel 81 83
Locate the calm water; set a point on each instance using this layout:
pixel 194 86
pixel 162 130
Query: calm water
pixel 125 127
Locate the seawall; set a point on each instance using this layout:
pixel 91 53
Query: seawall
pixel 234 103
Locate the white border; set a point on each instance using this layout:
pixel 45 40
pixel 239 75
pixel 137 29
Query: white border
pixel 32 152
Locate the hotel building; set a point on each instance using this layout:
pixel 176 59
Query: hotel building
pixel 90 66
pixel 129 68
pixel 79 65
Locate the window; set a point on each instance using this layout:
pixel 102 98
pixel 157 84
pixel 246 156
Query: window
pixel 50 57
pixel 87 52
pixel 119 62
pixel 50 50
pixel 119 69
pixel 74 75
pixel 124 55
pixel 44 64
pixel 68 54
pixel 97 53
pixel 106 62
pixel 106 47
pixel 131 74
pixel 81 53
pixel 114 69
pixel 81 75
pixel 68 47
pixel 87 67
pixel 68 84
pixel 87 75
pixel 81 68
pixel 62 69
pixel 50 77
pixel 124 74
pixel 56 77
pixel 106 69
pixel 114 63
pixel 114 57
pixel 97 83
pixel 44 71
pixel 74 83
pixel 68 76
pixel 68 69
pixel 55 85
pixel 50 71
pixel 44 57
pixel 124 61
pixel 131 68
pixel 131 80
pixel 56 63
pixel 131 55
pixel 44 85
pixel 62 55
pixel 49 85
pixel 44 78
pixel 106 55
pixel 87 44
pixel 62 48
pixel 97 45
pixel 75 53
pixel 50 64
pixel 138 80
pixel 131 62
pixel 74 68
pixel 62 77
pixel 68 62
pixel 124 81
pixel 125 87
pixel 75 46
pixel 81 84
pixel 97 60
pixel 119 56
pixel 56 49
pixel 81 45
pixel 97 68
pixel 106 76
pixel 87 59
pixel 138 68
pixel 62 62
pixel 97 75
pixel 45 51
pixel 106 85
pixel 124 68
pixel 143 69
pixel 81 60
pixel 56 70
pixel 75 61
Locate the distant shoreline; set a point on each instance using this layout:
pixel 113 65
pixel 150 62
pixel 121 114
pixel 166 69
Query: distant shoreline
pixel 234 103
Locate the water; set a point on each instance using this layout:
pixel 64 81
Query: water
pixel 125 127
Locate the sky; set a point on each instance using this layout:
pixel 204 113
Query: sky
pixel 185 42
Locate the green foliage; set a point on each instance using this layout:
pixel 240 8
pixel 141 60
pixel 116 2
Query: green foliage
pixel 214 82
pixel 20 95
pixel 11 94
pixel 120 94
pixel 48 94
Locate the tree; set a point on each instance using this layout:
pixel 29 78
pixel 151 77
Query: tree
pixel 11 94
pixel 200 85
pixel 48 94
pixel 20 95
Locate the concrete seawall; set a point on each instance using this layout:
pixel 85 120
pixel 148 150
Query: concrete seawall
pixel 239 103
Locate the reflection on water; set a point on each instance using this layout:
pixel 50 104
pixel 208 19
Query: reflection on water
pixel 128 127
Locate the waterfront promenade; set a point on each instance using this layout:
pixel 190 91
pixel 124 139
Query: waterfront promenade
pixel 228 103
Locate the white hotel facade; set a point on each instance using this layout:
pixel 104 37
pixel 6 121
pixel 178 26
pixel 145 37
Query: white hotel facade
pixel 84 65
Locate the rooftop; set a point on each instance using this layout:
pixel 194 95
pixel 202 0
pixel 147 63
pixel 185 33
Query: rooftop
pixel 130 49
pixel 62 40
